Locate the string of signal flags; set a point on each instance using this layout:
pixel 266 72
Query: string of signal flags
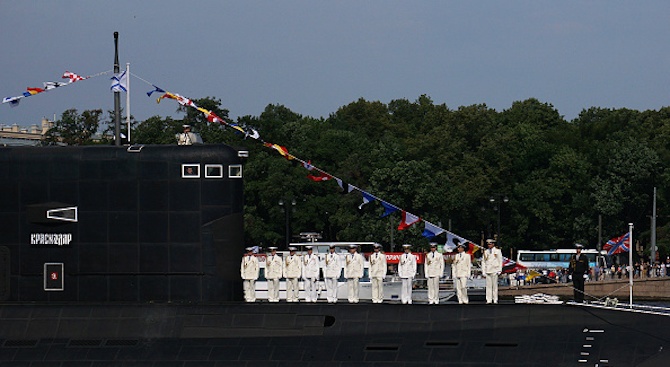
pixel 316 174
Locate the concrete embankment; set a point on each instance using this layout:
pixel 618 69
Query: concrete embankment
pixel 643 289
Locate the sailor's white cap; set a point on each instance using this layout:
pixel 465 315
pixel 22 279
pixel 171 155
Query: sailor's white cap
pixel 376 245
pixel 332 245
pixel 309 247
pixel 249 249
pixel 353 246
pixel 407 245
pixel 292 248
pixel 490 240
pixel 463 244
pixel 579 245
pixel 185 126
pixel 433 244
pixel 272 248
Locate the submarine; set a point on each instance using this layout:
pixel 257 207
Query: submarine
pixel 130 256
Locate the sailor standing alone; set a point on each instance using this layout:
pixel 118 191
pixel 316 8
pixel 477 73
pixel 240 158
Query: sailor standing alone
pixel 579 265
pixel 461 272
pixel 353 271
pixel 377 273
pixel 433 268
pixel 310 272
pixel 249 270
pixel 292 272
pixel 492 267
pixel 273 272
pixel 407 272
pixel 188 137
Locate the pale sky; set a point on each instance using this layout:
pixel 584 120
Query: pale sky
pixel 316 56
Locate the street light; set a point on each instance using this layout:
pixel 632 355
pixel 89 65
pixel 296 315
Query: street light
pixel 501 198
pixel 287 216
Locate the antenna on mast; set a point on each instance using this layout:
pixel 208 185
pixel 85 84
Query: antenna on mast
pixel 117 96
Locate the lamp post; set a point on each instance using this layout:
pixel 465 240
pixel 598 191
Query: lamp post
pixel 287 207
pixel 500 199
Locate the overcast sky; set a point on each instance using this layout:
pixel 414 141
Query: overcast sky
pixel 315 56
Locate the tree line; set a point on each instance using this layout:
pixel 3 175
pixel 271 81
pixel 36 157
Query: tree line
pixel 443 164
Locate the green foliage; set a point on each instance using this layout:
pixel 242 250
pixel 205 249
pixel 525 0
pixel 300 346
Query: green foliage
pixel 74 128
pixel 443 165
pixel 110 127
pixel 156 130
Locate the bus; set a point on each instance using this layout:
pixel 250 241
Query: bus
pixel 554 259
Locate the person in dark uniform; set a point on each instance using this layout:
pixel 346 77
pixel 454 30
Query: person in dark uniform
pixel 579 265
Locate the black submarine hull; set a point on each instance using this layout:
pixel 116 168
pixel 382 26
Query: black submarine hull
pixel 155 223
pixel 263 334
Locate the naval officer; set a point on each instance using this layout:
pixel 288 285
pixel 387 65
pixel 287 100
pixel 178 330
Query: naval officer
pixel 249 270
pixel 461 272
pixel 491 267
pixel 433 268
pixel 407 272
pixel 377 273
pixel 579 265
pixel 310 272
pixel 188 137
pixel 273 272
pixel 292 272
pixel 353 271
pixel 331 272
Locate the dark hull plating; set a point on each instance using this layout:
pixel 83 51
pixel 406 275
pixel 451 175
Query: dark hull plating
pixel 161 223
pixel 330 335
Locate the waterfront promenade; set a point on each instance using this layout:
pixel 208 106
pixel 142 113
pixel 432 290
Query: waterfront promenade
pixel 643 289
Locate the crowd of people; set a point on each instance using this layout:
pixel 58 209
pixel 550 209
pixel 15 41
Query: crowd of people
pixel 642 270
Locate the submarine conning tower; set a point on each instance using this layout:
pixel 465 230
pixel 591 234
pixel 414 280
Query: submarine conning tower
pixel 154 223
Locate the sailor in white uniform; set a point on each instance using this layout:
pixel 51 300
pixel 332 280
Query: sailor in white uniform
pixel 377 262
pixel 353 271
pixel 491 267
pixel 332 271
pixel 461 271
pixel 407 272
pixel 273 272
pixel 292 272
pixel 310 272
pixel 249 270
pixel 433 268
pixel 188 137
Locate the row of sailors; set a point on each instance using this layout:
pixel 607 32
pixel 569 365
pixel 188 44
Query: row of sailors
pixel 293 267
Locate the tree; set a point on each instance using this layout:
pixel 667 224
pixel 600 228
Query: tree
pixel 211 132
pixel 156 130
pixel 110 128
pixel 73 128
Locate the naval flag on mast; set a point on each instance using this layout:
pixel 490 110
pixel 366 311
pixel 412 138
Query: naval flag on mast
pixel 120 82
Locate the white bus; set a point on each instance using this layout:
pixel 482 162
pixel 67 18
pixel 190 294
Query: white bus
pixel 554 259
